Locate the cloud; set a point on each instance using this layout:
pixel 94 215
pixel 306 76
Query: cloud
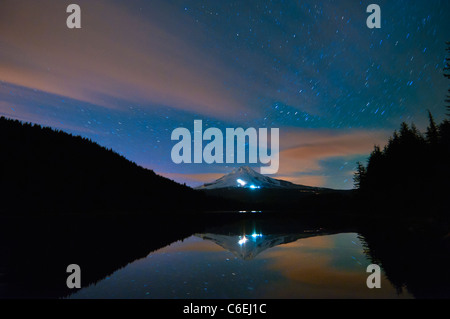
pixel 305 155
pixel 309 180
pixel 118 54
pixel 302 151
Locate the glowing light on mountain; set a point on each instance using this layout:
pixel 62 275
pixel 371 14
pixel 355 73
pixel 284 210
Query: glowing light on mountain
pixel 241 182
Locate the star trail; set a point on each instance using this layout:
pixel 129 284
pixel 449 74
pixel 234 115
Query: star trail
pixel 137 70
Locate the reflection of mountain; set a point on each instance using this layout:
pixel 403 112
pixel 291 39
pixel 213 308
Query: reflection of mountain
pixel 248 246
pixel 413 255
pixel 102 244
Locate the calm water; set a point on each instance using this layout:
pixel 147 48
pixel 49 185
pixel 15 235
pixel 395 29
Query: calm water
pixel 311 264
pixel 222 256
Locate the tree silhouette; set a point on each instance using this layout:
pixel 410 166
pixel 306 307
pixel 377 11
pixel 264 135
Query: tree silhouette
pixel 432 130
pixel 447 75
pixel 359 178
pixel 411 173
pixel 412 169
pixel 42 169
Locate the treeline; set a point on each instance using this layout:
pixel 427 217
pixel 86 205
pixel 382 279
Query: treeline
pixel 42 169
pixel 412 171
pixel 413 168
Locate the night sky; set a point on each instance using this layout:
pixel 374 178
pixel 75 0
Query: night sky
pixel 138 69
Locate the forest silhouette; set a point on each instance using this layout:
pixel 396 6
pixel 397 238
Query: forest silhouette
pixel 47 170
pixel 43 169
pixel 412 171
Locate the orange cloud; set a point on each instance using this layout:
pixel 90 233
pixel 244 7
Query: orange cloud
pixel 302 150
pixel 309 180
pixel 117 54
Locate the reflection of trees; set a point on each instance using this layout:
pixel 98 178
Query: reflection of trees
pixel 413 257
pixel 35 251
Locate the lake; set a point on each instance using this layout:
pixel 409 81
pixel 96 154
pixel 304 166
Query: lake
pixel 251 265
pixel 219 257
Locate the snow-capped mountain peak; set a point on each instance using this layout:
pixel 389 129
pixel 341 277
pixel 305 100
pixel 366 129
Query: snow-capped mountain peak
pixel 246 177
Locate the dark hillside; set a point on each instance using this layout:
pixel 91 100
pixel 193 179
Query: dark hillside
pixel 42 169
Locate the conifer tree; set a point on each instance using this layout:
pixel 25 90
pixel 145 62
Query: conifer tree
pixel 447 75
pixel 358 178
pixel 432 132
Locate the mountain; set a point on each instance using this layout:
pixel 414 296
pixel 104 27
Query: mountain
pixel 246 178
pixel 253 191
pixel 42 169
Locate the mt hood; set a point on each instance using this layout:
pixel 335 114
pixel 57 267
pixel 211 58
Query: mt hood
pixel 245 177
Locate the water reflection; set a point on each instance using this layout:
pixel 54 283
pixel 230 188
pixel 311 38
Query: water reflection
pixel 248 246
pixel 223 256
pixel 233 263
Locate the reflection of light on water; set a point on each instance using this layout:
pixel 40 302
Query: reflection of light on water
pixel 243 239
pixel 252 211
pixel 327 265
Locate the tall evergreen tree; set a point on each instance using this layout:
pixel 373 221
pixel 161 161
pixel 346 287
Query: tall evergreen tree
pixel 447 75
pixel 358 178
pixel 432 132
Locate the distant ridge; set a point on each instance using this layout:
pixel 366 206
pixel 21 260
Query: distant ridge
pixel 42 169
